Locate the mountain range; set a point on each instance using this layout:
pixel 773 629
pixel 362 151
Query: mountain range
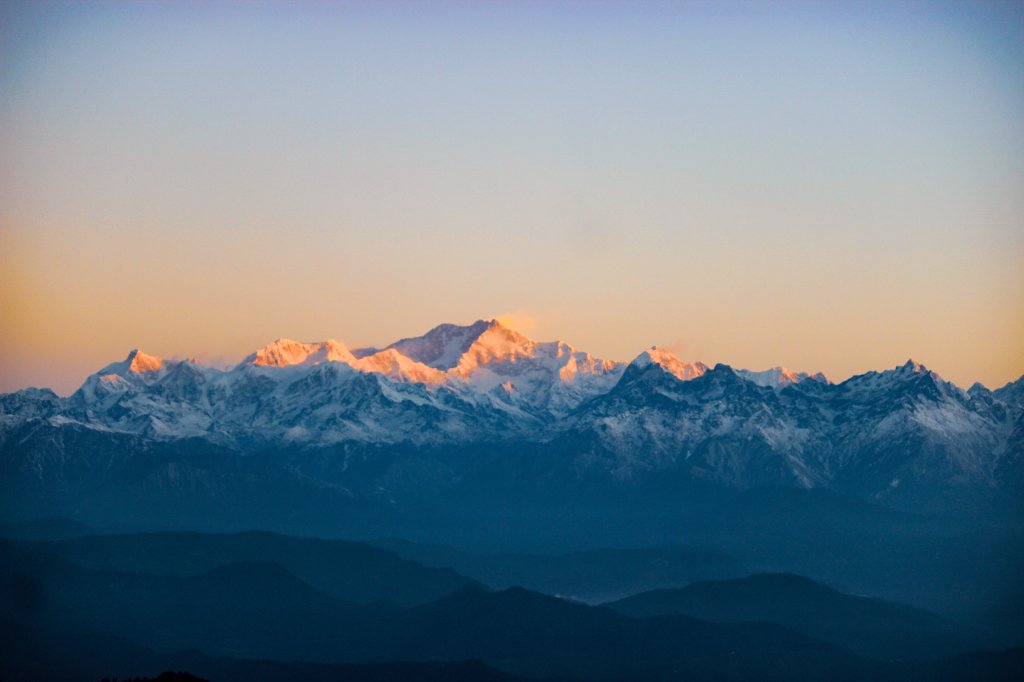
pixel 87 607
pixel 869 627
pixel 829 527
pixel 482 412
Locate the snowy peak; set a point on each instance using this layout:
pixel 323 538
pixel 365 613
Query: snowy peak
pixel 496 343
pixel 140 362
pixel 450 346
pixel 134 373
pixel 394 365
pixel 912 370
pixel 551 376
pixel 911 377
pixel 442 347
pixel 137 362
pixel 911 367
pixel 1012 393
pixel 779 377
pixel 285 352
pixel 978 388
pixel 683 371
pixel 460 386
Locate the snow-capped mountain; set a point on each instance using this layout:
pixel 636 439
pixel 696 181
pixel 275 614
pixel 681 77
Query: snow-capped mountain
pixel 1011 394
pixel 481 380
pixel 872 434
pixel 482 404
pixel 668 363
pixel 285 352
pixel 778 377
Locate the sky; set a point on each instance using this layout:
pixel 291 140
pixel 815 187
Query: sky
pixel 832 187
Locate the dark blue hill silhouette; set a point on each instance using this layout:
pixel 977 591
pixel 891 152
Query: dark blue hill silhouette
pixel 49 529
pixel 347 570
pixel 244 610
pixel 261 611
pixel 167 676
pixel 942 564
pixel 594 575
pixel 875 628
pixel 28 653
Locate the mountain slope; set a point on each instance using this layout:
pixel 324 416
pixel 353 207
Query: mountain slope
pixel 351 571
pixel 482 411
pixel 869 627
pixel 251 610
pixel 591 576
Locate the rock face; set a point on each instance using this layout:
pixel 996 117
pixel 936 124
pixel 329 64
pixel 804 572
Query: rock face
pixel 482 406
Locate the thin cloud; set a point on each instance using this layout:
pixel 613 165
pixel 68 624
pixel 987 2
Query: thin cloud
pixel 678 346
pixel 518 320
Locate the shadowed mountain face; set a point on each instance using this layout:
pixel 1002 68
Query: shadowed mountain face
pixel 870 627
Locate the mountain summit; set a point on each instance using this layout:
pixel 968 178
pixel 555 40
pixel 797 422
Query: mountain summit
pixel 450 346
pixel 670 363
pixel 482 407
pixel 137 362
pixel 287 352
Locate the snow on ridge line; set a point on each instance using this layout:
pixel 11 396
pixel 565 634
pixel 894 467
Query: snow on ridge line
pixel 447 352
pixel 287 352
pixel 550 376
pixel 670 363
pixel 451 352
pixel 452 347
pixel 137 362
pixel 443 346
pixel 779 377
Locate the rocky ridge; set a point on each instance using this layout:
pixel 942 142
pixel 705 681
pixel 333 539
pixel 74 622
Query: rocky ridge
pixel 485 388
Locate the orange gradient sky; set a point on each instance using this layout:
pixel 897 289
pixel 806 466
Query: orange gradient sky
pixel 832 187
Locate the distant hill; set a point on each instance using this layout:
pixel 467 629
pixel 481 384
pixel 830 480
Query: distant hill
pixel 591 576
pixel 50 529
pixel 263 613
pixel 540 636
pixel 246 609
pixel 875 628
pixel 346 570
pixel 27 653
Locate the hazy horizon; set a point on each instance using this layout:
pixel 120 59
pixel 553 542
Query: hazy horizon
pixel 831 187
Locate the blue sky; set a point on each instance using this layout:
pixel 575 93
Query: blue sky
pixel 827 186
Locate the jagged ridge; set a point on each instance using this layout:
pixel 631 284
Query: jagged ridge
pixel 876 434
